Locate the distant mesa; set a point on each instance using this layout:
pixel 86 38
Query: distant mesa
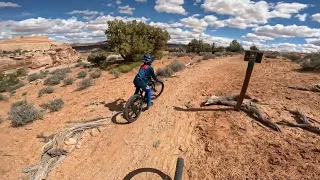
pixel 34 52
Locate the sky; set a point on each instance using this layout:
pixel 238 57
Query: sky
pixel 270 25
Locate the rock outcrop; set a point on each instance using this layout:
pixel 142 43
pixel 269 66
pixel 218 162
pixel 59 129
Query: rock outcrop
pixel 34 52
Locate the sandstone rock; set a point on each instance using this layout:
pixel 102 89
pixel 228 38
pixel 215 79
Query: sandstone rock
pixel 36 52
pixel 70 141
pixel 94 132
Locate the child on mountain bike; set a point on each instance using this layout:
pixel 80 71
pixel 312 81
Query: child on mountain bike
pixel 143 77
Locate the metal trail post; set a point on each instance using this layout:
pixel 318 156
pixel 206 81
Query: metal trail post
pixel 246 81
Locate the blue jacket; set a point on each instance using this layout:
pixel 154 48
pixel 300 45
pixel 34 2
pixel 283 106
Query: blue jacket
pixel 144 76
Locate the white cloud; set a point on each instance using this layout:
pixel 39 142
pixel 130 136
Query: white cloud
pixel 285 10
pixel 64 30
pixel 100 23
pixel 239 23
pixel 8 5
pixel 184 37
pixel 281 31
pixel 196 2
pixel 141 0
pixel 213 21
pixel 170 6
pixel 109 5
pixel 86 12
pixel 165 25
pixel 126 9
pixel 282 47
pixel 316 17
pixel 308 48
pixel 194 23
pixel 301 17
pixel 248 44
pixel 247 13
pixel 257 38
pixel 118 2
pixel 88 17
pixel 314 41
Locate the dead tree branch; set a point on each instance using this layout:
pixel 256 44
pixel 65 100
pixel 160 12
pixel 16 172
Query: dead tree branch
pixel 302 122
pixel 56 149
pixel 248 107
pixel 315 88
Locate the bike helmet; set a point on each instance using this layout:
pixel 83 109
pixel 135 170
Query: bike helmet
pixel 147 58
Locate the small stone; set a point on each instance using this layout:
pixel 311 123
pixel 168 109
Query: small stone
pixel 199 127
pixel 157 144
pixel 255 100
pixel 203 94
pixel 182 148
pixel 94 132
pixel 78 145
pixel 28 128
pixel 208 147
pixel 70 141
pixel 289 98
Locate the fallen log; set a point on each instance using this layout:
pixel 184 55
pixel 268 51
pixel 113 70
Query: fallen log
pixel 56 149
pixel 314 88
pixel 248 107
pixel 302 122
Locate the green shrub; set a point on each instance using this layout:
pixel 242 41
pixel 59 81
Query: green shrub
pixel 126 67
pixel 1 120
pixel 22 113
pixel 181 54
pixel 21 72
pixel 165 72
pixel 43 74
pixel 80 64
pixel 311 64
pixel 61 71
pixel 97 58
pixel 47 90
pixel 54 105
pixel 176 66
pixel 96 74
pixel 3 97
pixel 209 56
pixel 12 93
pixel 158 54
pixel 270 55
pixel 33 77
pixel 82 74
pixel 68 81
pixel 293 57
pixel 7 80
pixel 116 74
pixel 16 86
pixel 53 80
pixel 85 83
pixel 218 54
pixel 79 60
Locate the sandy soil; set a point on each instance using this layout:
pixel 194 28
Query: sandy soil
pixel 216 142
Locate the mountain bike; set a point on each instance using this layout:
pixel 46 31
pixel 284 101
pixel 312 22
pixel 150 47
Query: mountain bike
pixel 135 104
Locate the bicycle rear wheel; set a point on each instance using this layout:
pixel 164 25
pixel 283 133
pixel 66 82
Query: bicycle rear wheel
pixel 133 108
pixel 157 89
pixel 179 169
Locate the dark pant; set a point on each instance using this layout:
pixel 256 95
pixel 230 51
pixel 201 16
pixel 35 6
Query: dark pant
pixel 141 85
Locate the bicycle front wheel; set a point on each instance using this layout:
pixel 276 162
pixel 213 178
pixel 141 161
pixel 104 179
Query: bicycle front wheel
pixel 157 89
pixel 133 108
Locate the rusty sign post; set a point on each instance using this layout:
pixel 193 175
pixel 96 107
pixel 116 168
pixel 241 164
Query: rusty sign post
pixel 252 57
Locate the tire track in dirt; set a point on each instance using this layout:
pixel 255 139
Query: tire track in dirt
pixel 125 148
